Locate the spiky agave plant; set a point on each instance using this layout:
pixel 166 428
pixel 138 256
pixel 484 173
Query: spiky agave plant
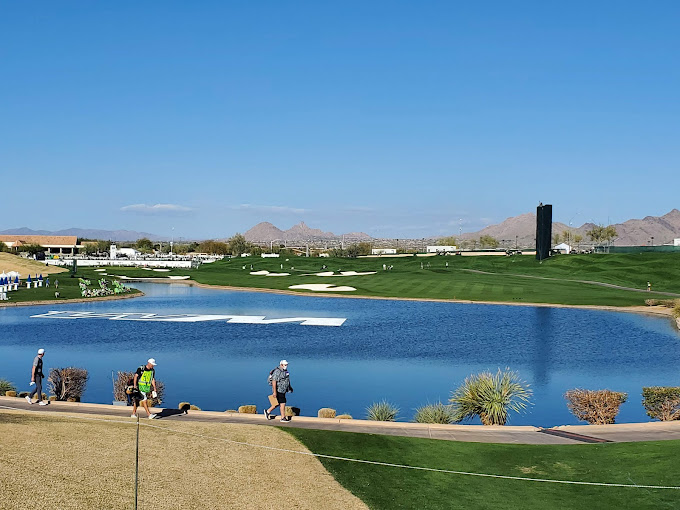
pixel 490 396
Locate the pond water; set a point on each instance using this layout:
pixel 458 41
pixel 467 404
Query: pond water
pixel 409 353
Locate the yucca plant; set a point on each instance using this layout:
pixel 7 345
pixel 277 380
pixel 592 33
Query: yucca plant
pixel 490 396
pixel 382 411
pixel 5 385
pixel 434 413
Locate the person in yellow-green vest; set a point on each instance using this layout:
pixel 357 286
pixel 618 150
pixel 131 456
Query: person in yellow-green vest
pixel 144 380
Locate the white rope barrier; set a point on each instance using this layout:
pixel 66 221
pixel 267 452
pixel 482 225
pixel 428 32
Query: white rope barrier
pixel 371 462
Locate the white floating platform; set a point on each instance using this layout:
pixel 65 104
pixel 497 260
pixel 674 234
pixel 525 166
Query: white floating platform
pixel 189 317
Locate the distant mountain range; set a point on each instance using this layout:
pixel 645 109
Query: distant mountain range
pixel 83 233
pixel 266 232
pixel 629 233
pixel 520 229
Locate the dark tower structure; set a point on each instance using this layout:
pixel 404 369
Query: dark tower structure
pixel 543 231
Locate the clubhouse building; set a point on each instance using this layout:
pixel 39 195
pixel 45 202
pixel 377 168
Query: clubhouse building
pixel 53 245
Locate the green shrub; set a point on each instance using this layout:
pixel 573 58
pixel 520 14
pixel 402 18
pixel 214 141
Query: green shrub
pixel 11 393
pixel 247 409
pixel 662 402
pixel 490 396
pixel 435 413
pixel 6 386
pixel 326 412
pixel 382 411
pixel 597 407
pixel 344 417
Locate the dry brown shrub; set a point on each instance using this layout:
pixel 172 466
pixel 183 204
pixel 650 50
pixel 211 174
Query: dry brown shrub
pixel 247 409
pixel 597 407
pixel 344 417
pixel 326 412
pixel 10 393
pixel 67 383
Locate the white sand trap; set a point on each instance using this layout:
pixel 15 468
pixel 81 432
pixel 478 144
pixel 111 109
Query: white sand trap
pixel 162 270
pixel 316 287
pixel 179 277
pixel 146 268
pixel 100 269
pixel 259 273
pixel 342 273
pixel 278 274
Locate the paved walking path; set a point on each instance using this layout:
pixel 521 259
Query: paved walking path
pixel 568 434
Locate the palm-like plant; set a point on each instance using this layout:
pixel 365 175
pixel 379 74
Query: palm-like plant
pixel 490 396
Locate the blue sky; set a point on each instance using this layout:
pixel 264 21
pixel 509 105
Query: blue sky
pixel 399 119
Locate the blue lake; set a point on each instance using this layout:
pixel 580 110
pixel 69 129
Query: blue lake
pixel 409 353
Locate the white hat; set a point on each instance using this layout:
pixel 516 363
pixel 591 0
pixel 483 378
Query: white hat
pixel 41 351
pixel 283 362
pixel 152 361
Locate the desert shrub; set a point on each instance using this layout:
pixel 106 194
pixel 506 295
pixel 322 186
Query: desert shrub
pixel 68 382
pixel 23 394
pixel 676 311
pixel 192 407
pixel 184 406
pixel 326 412
pixel 662 402
pixel 651 302
pixel 490 396
pixel 382 411
pixel 6 386
pixel 231 411
pixel 53 398
pixel 247 409
pixel 597 407
pixel 73 399
pixel 11 393
pixel 344 417
pixel 435 413
pixel 121 381
pixel 292 411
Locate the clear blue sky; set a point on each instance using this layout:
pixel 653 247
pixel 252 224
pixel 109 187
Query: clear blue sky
pixel 399 119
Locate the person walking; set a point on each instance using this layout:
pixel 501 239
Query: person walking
pixel 143 381
pixel 36 378
pixel 280 378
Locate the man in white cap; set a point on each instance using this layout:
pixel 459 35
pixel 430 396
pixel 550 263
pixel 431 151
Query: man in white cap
pixel 36 378
pixel 280 379
pixel 144 380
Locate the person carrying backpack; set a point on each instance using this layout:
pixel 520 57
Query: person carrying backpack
pixel 279 378
pixel 145 378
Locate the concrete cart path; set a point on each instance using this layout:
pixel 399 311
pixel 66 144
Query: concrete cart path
pixel 569 434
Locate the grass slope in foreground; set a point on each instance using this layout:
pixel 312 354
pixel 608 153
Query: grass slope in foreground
pixel 648 463
pixel 518 279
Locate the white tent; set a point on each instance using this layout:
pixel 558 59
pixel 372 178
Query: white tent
pixel 564 248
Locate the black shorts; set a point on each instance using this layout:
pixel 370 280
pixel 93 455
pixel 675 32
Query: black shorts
pixel 281 397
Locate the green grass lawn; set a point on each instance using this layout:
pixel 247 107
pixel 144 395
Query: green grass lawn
pixel 508 282
pixel 68 288
pixel 517 279
pixel 646 463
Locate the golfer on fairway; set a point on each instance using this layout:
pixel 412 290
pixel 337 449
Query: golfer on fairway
pixel 145 378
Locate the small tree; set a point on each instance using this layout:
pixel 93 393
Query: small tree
pixel 67 383
pixel 352 251
pixel 597 407
pixel 488 242
pixel 144 245
pixel 662 403
pixel 238 245
pixel 491 397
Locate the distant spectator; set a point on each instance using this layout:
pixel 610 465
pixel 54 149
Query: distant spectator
pixel 649 286
pixel 47 282
pixel 280 386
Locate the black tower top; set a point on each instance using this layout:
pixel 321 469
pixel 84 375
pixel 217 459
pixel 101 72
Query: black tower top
pixel 543 231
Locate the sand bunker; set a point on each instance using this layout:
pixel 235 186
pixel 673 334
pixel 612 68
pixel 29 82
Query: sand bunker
pixel 162 270
pixel 179 277
pixel 267 273
pixel 341 273
pixel 316 287
pixel 100 269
